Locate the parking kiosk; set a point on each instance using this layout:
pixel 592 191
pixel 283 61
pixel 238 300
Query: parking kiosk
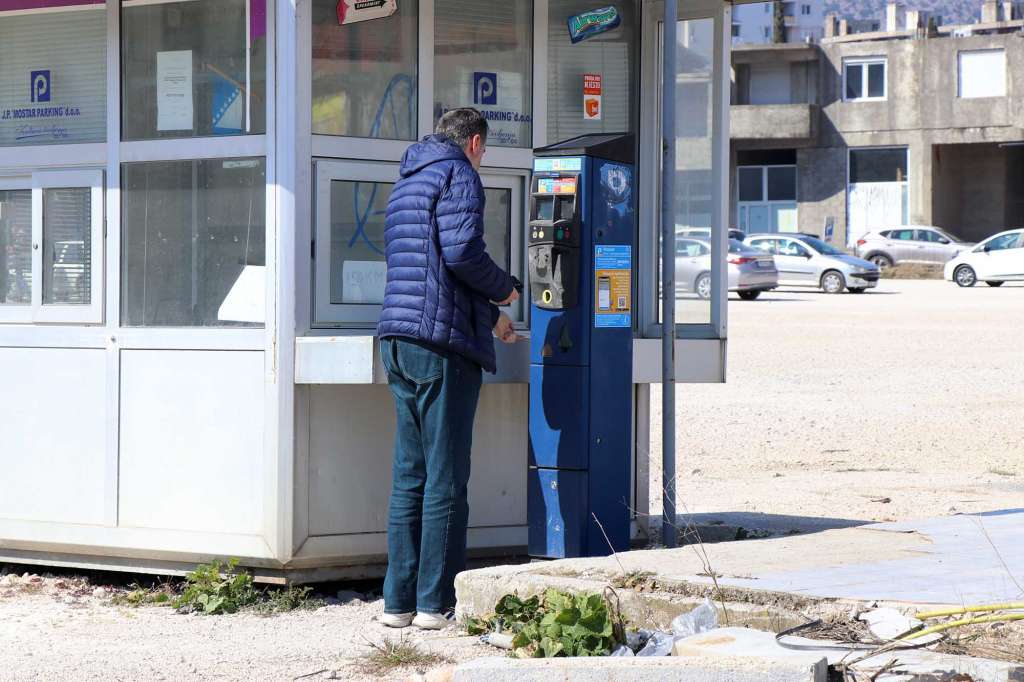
pixel 581 243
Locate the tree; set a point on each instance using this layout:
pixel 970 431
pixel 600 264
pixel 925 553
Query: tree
pixel 778 23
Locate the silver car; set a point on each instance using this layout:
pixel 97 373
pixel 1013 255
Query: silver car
pixel 750 271
pixel 910 244
pixel 809 262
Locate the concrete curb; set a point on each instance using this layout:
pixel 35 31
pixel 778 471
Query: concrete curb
pixel 665 669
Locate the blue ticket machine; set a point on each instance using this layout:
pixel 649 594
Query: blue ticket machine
pixel 581 257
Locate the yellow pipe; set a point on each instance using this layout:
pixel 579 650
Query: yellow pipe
pixel 981 608
pixel 965 621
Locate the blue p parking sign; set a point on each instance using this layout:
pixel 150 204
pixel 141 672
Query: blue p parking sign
pixel 485 88
pixel 40 86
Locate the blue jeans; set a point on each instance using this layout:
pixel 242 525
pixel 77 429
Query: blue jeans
pixel 435 400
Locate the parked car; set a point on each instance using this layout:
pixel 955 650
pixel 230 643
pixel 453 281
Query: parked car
pixel 998 259
pixel 704 233
pixel 805 261
pixel 910 244
pixel 750 271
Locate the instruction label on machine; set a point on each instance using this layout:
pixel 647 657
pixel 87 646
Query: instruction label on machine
pixel 613 271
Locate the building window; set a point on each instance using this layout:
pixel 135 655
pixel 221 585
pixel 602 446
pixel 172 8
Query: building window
pixel 767 32
pixel 192 243
pixel 864 79
pixel 365 73
pixel 611 55
pixel 982 73
pixel 50 95
pixel 805 10
pixel 736 30
pixel 51 246
pixel 766 198
pixel 483 58
pixel 193 69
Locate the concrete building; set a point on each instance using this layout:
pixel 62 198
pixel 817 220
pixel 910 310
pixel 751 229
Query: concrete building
pixel 902 126
pixel 753 24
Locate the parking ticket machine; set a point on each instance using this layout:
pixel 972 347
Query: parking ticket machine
pixel 581 234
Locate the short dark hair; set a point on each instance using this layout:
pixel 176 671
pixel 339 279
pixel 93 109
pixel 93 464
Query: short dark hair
pixel 460 125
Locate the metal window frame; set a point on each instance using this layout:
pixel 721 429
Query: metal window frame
pixel 37 311
pixel 864 63
pixel 327 315
pixel 649 325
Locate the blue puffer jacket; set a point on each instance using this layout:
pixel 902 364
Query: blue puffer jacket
pixel 441 282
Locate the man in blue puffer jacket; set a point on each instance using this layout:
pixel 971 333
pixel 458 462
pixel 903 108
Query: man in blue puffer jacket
pixel 437 327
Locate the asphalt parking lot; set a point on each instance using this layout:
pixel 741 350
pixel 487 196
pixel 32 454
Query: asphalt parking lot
pixel 903 402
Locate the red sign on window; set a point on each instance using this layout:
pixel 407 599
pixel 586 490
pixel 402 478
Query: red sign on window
pixel 592 97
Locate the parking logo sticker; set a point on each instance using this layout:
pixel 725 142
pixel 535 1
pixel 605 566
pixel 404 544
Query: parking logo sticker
pixel 485 88
pixel 40 86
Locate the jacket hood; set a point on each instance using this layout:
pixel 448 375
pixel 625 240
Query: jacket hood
pixel 431 149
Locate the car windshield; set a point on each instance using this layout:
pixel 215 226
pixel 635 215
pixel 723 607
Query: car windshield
pixel 821 247
pixel 950 236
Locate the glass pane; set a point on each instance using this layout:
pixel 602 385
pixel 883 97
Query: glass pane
pixel 876 80
pixel 16 247
pixel 781 184
pixel 878 165
pixel 854 81
pixel 194 68
pixel 67 246
pixel 193 243
pixel 53 76
pixel 358 212
pixel 694 201
pixel 483 59
pixel 751 184
pixel 364 74
pixel 610 55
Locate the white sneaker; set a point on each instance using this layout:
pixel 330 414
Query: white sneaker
pixel 434 621
pixel 396 620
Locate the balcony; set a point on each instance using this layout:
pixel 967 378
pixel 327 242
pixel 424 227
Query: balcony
pixel 794 124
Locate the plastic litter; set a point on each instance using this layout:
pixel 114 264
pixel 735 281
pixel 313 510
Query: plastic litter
pixel 660 644
pixel 701 619
pixel 623 650
pixel 500 640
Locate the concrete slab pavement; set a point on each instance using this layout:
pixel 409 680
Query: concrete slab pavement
pixel 940 561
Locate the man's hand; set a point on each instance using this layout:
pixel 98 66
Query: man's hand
pixel 512 298
pixel 504 331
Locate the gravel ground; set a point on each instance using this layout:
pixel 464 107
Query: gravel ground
pixel 64 628
pixel 899 403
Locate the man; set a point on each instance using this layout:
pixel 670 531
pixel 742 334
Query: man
pixel 437 327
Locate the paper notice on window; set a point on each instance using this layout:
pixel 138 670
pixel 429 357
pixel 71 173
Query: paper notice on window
pixel 354 11
pixel 174 90
pixel 363 281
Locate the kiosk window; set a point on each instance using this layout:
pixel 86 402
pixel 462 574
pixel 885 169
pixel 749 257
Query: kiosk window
pixel 483 58
pixel 611 55
pixel 358 271
pixel 53 76
pixel 364 74
pixel 16 247
pixel 193 69
pixel 193 236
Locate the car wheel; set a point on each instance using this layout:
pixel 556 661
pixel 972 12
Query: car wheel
pixel 857 290
pixel 750 294
pixel 965 276
pixel 703 285
pixel 832 282
pixel 881 260
pixel 993 284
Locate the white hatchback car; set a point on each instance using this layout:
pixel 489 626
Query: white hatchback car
pixel 998 259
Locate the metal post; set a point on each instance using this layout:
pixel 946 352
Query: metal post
pixel 668 277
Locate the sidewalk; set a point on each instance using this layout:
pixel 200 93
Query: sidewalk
pixel 956 560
